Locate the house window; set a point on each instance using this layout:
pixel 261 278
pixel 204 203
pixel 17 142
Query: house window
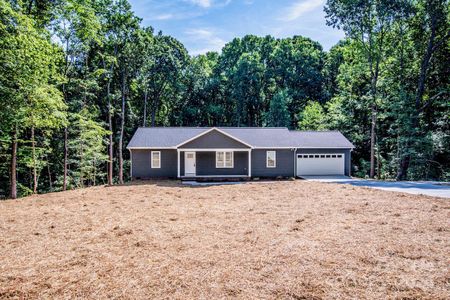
pixel 156 159
pixel 271 159
pixel 224 159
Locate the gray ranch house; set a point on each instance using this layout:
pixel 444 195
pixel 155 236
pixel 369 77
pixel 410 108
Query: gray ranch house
pixel 242 152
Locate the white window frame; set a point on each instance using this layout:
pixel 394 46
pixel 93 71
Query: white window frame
pixel 224 165
pixel 274 159
pixel 153 165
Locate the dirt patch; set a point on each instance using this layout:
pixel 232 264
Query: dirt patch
pixel 294 240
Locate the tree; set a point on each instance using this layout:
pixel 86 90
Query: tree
pixel 76 26
pixel 333 60
pixel 28 62
pixel 169 60
pixel 278 115
pixel 87 147
pixel 45 111
pixel 298 66
pixel 248 90
pixel 434 32
pixel 312 117
pixel 366 22
pixel 145 41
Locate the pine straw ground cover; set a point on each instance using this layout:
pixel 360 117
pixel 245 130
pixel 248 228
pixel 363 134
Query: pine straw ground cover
pixel 298 240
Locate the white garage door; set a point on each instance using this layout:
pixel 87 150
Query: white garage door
pixel 320 164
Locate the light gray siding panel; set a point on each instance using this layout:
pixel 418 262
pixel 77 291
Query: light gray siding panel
pixel 347 153
pixel 214 139
pixel 284 163
pixel 141 164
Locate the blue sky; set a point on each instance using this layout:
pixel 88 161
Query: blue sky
pixel 206 25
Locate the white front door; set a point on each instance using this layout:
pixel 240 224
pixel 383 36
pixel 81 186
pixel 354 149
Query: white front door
pixel 189 164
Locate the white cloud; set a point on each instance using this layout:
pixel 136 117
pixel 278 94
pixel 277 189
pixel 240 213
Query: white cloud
pixel 164 17
pixel 206 38
pixel 201 3
pixel 209 3
pixel 299 8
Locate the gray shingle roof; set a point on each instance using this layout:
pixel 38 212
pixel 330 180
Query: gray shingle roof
pixel 261 137
pixel 164 137
pixel 264 137
pixel 320 139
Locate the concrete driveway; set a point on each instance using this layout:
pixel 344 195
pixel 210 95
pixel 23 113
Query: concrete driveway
pixel 430 188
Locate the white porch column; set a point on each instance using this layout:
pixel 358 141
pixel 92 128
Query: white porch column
pixel 178 163
pixel 250 163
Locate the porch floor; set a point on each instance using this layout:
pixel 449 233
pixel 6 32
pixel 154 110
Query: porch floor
pixel 216 178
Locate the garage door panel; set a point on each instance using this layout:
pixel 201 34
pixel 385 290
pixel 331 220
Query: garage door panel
pixel 320 164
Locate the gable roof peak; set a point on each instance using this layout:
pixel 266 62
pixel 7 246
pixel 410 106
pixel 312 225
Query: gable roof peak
pixel 210 130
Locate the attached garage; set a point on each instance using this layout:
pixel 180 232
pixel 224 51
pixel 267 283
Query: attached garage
pixel 321 164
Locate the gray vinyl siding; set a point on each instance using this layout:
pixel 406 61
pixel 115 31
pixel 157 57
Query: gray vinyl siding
pixel 206 164
pixel 141 164
pixel 347 153
pixel 213 139
pixel 284 163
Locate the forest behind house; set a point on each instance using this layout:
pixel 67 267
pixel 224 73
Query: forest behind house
pixel 77 77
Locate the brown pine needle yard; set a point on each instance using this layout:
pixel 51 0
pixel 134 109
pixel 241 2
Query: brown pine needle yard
pixel 298 240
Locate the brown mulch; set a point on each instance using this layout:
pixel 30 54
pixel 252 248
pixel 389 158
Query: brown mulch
pixel 288 240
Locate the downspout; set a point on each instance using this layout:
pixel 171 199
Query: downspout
pixel 295 162
pixel 178 163
pixel 350 163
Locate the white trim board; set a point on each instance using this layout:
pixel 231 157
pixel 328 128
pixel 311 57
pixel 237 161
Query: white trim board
pixel 331 148
pixel 214 149
pixel 151 148
pixel 200 176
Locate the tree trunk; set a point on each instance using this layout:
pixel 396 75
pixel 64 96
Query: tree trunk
pixel 156 99
pixel 13 174
pixel 65 159
pixel 122 126
pixel 49 175
pixel 155 108
pixel 66 70
pixel 33 147
pixel 145 108
pixel 374 74
pixel 110 125
pixel 110 146
pixel 372 142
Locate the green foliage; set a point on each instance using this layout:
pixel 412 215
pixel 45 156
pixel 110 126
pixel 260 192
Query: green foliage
pixel 312 117
pixel 29 63
pixel 278 114
pixel 247 80
pixel 87 146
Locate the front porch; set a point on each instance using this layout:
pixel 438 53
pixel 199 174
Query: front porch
pixel 214 164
